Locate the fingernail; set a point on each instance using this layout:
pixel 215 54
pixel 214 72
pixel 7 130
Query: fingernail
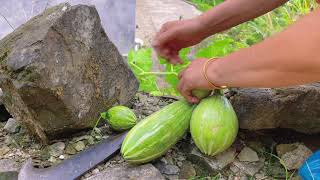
pixel 195 100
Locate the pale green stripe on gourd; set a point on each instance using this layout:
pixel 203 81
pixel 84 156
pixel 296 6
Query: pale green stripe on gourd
pixel 154 135
pixel 214 125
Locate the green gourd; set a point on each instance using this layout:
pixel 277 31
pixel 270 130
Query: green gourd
pixel 214 125
pixel 157 133
pixel 121 118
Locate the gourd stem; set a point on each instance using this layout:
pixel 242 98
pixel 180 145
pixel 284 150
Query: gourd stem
pixel 219 91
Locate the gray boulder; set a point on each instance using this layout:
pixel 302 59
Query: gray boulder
pixel 59 70
pixel 295 108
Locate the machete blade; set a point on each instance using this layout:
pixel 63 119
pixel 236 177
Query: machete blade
pixel 77 165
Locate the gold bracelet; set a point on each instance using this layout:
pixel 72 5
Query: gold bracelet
pixel 204 72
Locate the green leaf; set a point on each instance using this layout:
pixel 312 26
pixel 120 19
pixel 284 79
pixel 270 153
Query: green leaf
pixel 220 47
pixel 171 78
pixel 148 83
pixel 141 58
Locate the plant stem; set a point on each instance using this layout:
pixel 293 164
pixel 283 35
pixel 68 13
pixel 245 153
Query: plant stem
pixel 132 64
pixel 96 124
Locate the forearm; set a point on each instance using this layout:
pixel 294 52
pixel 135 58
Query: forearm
pixel 234 12
pixel 291 57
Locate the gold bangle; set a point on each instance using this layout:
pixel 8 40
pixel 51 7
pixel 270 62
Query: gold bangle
pixel 204 72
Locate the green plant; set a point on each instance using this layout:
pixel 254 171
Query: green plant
pixel 141 64
pixel 157 133
pixel 204 5
pixel 280 161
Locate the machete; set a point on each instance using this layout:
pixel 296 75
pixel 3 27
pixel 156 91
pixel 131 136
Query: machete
pixel 77 165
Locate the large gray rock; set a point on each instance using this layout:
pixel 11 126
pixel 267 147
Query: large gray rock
pixel 59 70
pixel 296 108
pixel 143 172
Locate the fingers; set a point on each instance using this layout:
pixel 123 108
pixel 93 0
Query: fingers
pixel 163 44
pixel 176 58
pixel 181 74
pixel 171 55
pixel 186 92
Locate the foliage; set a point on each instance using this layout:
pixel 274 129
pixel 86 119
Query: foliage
pixel 141 64
pixel 222 44
pixel 204 5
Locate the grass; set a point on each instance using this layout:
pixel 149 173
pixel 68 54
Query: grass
pixel 287 177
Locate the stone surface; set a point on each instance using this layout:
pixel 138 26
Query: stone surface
pixel 234 168
pixel 12 126
pixel 9 169
pixel 167 169
pixel 294 159
pixel 70 149
pixel 11 175
pixel 284 148
pixel 59 69
pixel 56 149
pixel 79 146
pixel 187 171
pixel 143 172
pixel 248 168
pixel 248 155
pixel 295 107
pixel 9 165
pixel 4 150
pixel 212 164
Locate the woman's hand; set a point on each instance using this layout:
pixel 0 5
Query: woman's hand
pixel 192 78
pixel 175 35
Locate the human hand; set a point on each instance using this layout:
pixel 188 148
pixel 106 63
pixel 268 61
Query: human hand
pixel 175 35
pixel 192 78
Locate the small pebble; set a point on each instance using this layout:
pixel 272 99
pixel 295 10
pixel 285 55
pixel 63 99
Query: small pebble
pixel 79 146
pixel 164 160
pixel 91 140
pixel 234 168
pixel 61 157
pixel 4 150
pixel 52 159
pixel 95 171
pixel 181 158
